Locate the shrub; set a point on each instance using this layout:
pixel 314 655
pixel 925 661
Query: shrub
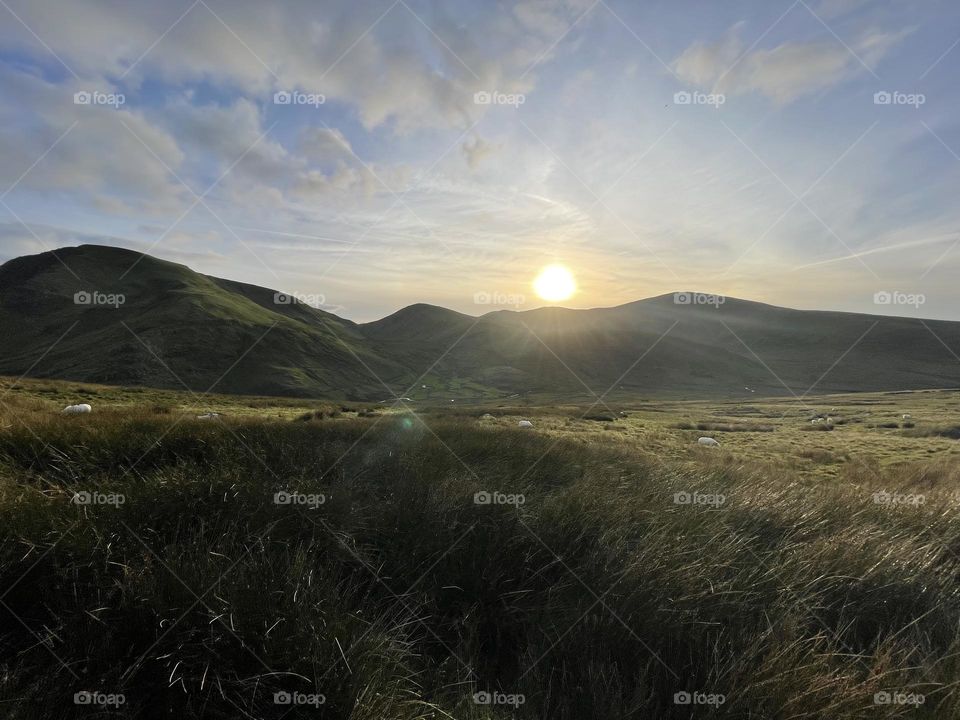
pixel 600 416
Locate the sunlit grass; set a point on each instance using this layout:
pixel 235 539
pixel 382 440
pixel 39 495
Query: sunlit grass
pixel 801 595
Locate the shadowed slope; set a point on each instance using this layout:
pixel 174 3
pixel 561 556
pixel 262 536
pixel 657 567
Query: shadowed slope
pixel 203 328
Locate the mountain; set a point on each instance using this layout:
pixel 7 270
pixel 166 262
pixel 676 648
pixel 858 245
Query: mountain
pixel 180 328
pixel 175 328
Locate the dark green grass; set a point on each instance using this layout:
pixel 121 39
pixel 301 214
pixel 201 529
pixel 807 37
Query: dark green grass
pixel 950 431
pixel 400 597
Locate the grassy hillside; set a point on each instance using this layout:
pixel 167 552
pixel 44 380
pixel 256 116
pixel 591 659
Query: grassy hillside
pixel 391 593
pixel 706 351
pixel 177 327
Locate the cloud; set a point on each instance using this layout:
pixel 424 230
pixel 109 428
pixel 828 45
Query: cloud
pixel 550 18
pixel 325 144
pixel 783 73
pixel 378 59
pixel 229 135
pixel 476 149
pixel 703 64
pixel 828 9
pixel 100 150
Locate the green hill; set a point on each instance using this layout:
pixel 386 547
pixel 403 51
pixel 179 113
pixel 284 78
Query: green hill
pixel 178 327
pixel 175 328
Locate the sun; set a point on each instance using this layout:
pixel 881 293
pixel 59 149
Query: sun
pixel 555 283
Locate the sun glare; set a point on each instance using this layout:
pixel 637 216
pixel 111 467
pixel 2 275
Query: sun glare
pixel 555 283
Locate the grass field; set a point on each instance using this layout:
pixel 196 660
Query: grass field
pixel 441 562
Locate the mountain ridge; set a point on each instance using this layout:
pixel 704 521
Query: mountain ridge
pixel 177 328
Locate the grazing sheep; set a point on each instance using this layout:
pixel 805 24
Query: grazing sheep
pixel 525 424
pixel 77 409
pixel 906 416
pixel 708 441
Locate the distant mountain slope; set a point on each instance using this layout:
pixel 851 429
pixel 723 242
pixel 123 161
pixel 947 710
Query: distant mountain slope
pixel 175 325
pixel 203 329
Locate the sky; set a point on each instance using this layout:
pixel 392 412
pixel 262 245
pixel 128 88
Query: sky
pixel 370 155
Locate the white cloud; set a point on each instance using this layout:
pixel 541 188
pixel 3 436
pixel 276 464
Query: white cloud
pixel 783 73
pixel 100 155
pixel 390 69
pixel 702 64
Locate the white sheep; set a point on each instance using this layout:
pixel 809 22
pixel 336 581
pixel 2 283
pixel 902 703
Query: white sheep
pixel 77 409
pixel 525 424
pixel 708 441
pixel 208 416
pixel 906 416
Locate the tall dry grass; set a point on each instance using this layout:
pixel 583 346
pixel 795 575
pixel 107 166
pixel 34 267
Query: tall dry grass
pixel 400 597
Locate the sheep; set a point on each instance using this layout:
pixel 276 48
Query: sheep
pixel 906 416
pixel 208 416
pixel 77 409
pixel 708 441
pixel 525 424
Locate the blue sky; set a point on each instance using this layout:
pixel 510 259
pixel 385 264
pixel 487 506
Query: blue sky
pixel 785 179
